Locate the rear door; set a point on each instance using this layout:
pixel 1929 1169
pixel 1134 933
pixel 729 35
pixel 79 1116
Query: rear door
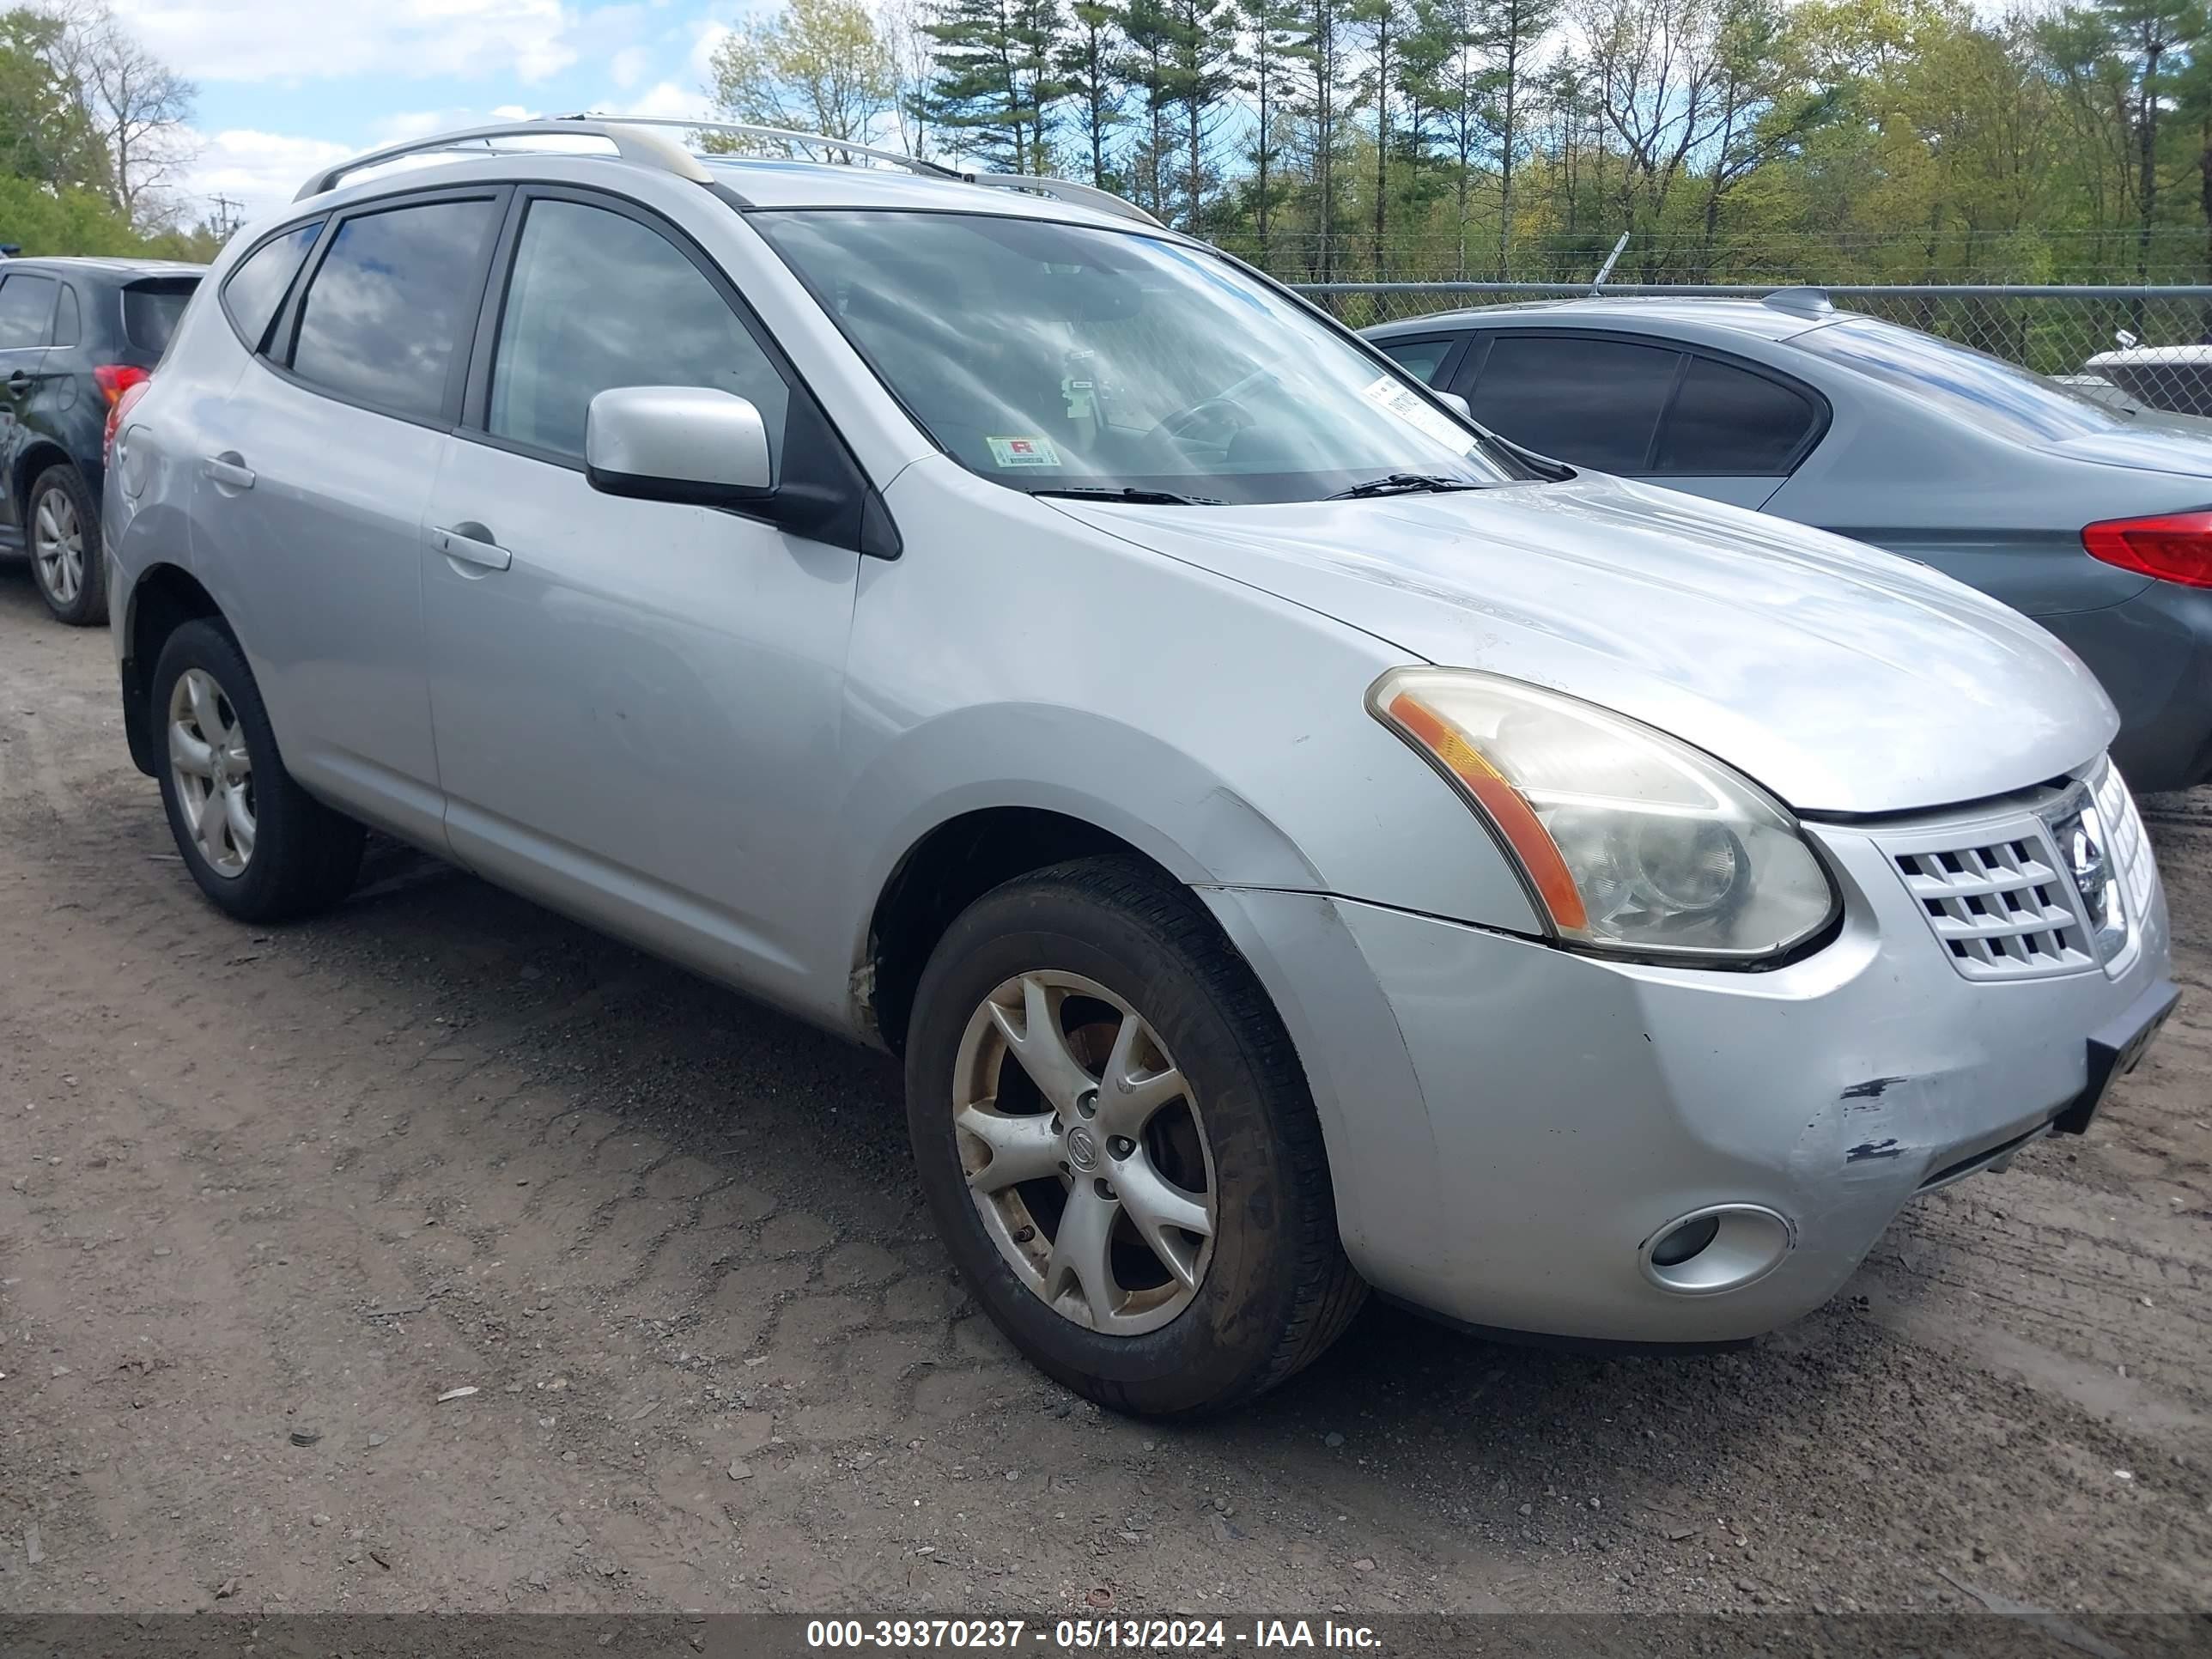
pixel 26 315
pixel 315 474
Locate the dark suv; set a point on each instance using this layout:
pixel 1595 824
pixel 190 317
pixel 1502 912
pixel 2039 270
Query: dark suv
pixel 75 336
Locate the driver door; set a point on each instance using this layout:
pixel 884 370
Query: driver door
pixel 634 701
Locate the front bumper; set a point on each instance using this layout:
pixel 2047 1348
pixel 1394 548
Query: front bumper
pixel 1509 1124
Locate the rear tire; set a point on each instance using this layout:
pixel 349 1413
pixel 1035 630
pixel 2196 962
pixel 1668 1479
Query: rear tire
pixel 1088 946
pixel 61 531
pixel 259 846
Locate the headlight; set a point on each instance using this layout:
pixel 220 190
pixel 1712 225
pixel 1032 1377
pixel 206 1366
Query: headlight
pixel 1629 840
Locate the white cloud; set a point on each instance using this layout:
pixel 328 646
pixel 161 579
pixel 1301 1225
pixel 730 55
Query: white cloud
pixel 263 170
pixel 271 40
pixel 630 66
pixel 668 99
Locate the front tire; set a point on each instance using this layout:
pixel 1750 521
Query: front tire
pixel 259 846
pixel 1119 1145
pixel 61 528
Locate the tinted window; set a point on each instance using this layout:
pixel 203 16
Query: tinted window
pixel 598 301
pixel 69 321
pixel 26 305
pixel 1993 394
pixel 1727 422
pixel 1419 358
pixel 1592 403
pixel 257 287
pixel 392 302
pixel 151 311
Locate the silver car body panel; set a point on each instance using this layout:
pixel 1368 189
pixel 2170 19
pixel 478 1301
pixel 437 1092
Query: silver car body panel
pixel 721 742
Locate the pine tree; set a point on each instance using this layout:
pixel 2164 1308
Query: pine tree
pixel 1268 35
pixel 1148 71
pixel 1202 40
pixel 995 83
pixel 1317 101
pixel 1089 69
pixel 1506 32
pixel 1380 19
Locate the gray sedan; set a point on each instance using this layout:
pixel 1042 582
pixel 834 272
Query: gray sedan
pixel 2091 518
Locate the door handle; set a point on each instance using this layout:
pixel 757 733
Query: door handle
pixel 19 383
pixel 472 544
pixel 227 471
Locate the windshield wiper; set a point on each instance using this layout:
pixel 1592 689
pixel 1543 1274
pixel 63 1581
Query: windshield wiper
pixel 1128 493
pixel 1404 483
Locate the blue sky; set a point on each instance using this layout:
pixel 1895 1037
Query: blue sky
pixel 286 88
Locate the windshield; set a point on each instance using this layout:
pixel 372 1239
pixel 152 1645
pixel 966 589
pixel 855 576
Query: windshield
pixel 1993 394
pixel 1048 356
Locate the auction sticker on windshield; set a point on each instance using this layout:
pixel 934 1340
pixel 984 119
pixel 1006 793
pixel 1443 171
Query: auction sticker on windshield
pixel 1409 406
pixel 1024 452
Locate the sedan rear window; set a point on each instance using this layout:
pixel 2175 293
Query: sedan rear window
pixel 151 311
pixel 1993 395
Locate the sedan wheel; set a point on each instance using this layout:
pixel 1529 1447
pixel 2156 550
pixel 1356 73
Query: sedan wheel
pixel 212 770
pixel 58 546
pixel 1085 1152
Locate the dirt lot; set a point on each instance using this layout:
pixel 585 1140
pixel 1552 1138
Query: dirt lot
pixel 262 1188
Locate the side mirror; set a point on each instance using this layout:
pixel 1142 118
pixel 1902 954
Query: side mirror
pixel 677 443
pixel 1456 404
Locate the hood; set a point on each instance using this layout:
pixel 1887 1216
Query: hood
pixel 1842 679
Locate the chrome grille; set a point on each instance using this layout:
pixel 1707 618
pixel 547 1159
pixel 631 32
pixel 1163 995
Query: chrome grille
pixel 2001 907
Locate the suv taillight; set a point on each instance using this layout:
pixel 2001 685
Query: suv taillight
pixel 2174 547
pixel 122 387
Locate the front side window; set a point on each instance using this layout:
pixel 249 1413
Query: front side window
pixel 27 307
pixel 598 301
pixel 392 302
pixel 1588 402
pixel 1045 356
pixel 1993 394
pixel 253 292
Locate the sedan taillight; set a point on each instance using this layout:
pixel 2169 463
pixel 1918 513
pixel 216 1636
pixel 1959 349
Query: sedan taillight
pixel 123 386
pixel 2174 547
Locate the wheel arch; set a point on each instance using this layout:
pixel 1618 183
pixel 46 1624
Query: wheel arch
pixel 164 599
pixel 37 455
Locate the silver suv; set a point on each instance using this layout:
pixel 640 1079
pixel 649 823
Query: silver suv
pixel 1295 840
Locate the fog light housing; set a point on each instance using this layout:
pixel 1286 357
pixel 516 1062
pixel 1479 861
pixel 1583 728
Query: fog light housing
pixel 1722 1246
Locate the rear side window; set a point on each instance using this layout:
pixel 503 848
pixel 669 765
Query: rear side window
pixel 27 307
pixel 1422 359
pixel 253 292
pixel 389 305
pixel 69 320
pixel 151 311
pixel 1728 422
pixel 599 301
pixel 1587 402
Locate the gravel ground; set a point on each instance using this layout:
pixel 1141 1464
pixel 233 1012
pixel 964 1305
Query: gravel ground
pixel 268 1198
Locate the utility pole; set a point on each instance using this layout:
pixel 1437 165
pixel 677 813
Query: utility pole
pixel 227 216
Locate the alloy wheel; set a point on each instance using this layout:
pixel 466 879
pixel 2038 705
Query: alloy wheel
pixel 212 772
pixel 57 545
pixel 1085 1152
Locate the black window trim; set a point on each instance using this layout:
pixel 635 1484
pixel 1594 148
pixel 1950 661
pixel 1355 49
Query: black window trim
pixel 879 537
pixel 45 343
pixel 284 330
pixel 1823 413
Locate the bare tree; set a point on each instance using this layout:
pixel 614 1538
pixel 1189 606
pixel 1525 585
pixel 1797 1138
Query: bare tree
pixel 134 105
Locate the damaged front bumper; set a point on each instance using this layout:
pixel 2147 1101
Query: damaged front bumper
pixel 1516 1130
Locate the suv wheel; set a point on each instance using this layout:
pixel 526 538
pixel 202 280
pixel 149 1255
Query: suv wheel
pixel 62 530
pixel 258 845
pixel 1119 1144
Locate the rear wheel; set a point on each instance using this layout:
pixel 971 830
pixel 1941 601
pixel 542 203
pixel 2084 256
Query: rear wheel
pixel 258 845
pixel 1119 1144
pixel 62 530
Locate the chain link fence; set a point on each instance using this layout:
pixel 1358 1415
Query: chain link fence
pixel 2152 344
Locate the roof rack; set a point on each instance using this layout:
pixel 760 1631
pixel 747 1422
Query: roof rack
pixel 646 148
pixel 1062 190
pixel 633 139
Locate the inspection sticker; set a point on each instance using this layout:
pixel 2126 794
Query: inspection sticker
pixel 1024 452
pixel 1409 406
